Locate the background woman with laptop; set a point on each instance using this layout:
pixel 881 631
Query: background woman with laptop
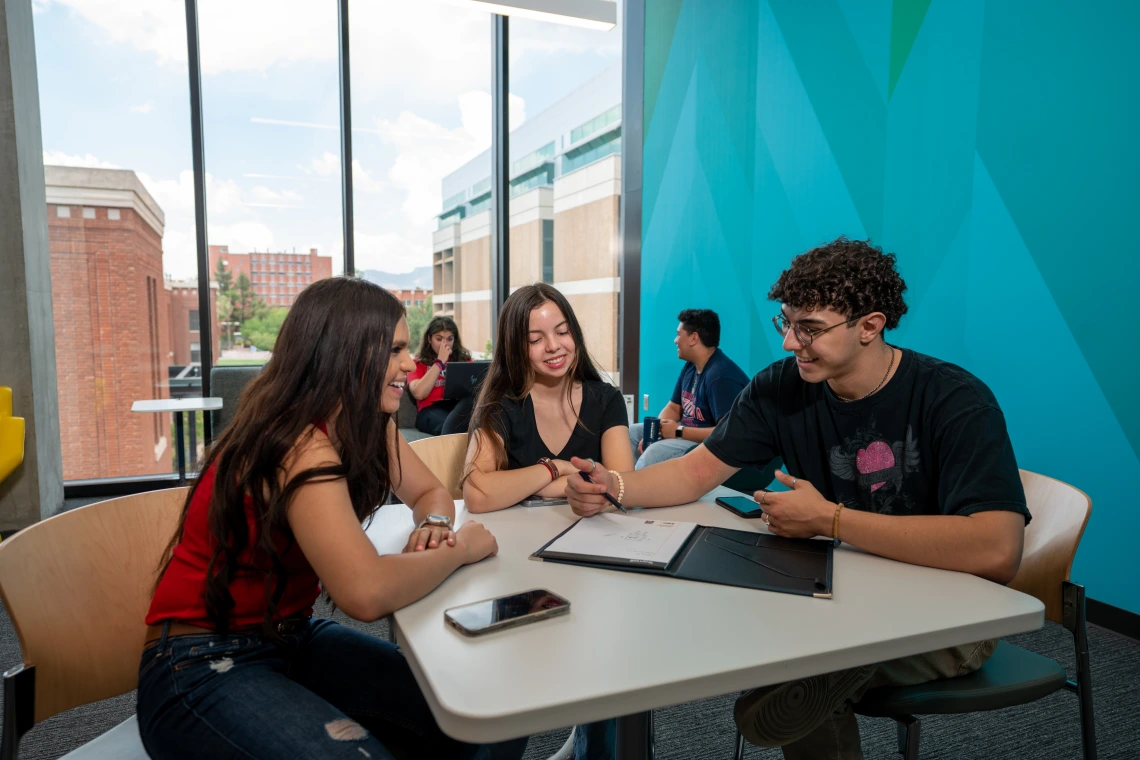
pixel 437 416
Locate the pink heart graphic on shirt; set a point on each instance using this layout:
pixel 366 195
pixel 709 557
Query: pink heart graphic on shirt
pixel 877 456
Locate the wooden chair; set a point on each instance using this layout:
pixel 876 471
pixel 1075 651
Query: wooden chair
pixel 444 455
pixel 77 587
pixel 1012 675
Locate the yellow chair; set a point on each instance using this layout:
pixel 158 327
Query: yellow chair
pixel 444 455
pixel 11 436
pixel 77 587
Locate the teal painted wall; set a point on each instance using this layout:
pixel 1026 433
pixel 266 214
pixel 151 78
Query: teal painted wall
pixel 994 146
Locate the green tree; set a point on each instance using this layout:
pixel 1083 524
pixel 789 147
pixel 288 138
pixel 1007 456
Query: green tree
pixel 418 318
pixel 261 331
pixel 223 277
pixel 225 315
pixel 246 304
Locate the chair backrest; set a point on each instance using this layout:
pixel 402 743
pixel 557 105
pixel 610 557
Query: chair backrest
pixel 1060 513
pixel 444 455
pixel 227 383
pixel 77 587
pixel 406 415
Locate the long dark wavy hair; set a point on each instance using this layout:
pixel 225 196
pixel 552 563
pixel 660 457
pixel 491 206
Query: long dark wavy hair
pixel 511 374
pixel 439 324
pixel 332 353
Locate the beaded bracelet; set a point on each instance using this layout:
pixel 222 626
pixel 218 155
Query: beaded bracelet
pixel 835 523
pixel 621 485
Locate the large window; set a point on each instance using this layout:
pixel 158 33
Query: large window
pixel 566 171
pixel 134 322
pixel 116 137
pixel 272 144
pixel 421 183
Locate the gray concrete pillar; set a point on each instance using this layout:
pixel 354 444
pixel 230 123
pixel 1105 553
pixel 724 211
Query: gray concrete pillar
pixel 27 333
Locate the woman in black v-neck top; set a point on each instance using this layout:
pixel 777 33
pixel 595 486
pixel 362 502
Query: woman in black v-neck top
pixel 541 403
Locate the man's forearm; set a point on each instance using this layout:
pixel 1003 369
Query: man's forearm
pixel 675 481
pixel 697 434
pixel 949 542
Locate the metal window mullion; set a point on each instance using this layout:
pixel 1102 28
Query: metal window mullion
pixel 632 127
pixel 346 141
pixel 500 168
pixel 205 332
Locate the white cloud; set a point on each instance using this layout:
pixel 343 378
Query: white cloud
pixel 222 196
pixel 390 252
pixel 144 109
pixel 263 193
pixel 243 236
pixel 428 151
pixel 328 165
pixel 59 158
pixel 362 180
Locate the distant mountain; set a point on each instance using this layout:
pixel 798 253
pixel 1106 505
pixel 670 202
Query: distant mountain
pixel 420 277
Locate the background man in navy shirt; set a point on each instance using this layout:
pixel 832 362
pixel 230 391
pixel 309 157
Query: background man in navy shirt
pixel 708 384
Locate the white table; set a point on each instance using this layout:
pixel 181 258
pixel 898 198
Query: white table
pixel 177 406
pixel 634 642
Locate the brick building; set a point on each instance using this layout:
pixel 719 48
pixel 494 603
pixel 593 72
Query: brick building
pixel 112 310
pixel 185 320
pixel 276 277
pixel 413 297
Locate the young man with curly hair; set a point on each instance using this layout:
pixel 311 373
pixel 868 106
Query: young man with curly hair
pixel 896 453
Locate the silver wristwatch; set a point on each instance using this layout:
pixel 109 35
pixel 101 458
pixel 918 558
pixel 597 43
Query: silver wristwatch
pixel 435 521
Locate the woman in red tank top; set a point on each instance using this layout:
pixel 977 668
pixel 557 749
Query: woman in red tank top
pixel 236 666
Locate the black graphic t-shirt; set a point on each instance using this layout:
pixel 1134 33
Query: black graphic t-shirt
pixel 932 441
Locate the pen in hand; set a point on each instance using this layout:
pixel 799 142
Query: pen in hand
pixel 609 497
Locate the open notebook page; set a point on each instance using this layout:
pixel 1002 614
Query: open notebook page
pixel 624 538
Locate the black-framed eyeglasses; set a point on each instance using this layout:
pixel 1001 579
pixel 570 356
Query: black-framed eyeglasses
pixel 805 335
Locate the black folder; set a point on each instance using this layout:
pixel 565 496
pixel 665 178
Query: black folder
pixel 730 558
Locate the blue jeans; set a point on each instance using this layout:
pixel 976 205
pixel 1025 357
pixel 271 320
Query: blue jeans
pixel 658 451
pixel 328 692
pixel 596 741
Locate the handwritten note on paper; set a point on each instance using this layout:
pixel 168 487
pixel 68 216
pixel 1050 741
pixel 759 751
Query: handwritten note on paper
pixel 634 540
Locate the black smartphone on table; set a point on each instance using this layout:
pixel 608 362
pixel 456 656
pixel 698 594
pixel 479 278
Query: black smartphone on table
pixel 489 615
pixel 741 506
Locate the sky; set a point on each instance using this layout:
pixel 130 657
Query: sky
pixel 114 93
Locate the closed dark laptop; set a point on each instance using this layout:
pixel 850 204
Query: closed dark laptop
pixel 463 378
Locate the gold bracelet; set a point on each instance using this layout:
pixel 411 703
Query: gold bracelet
pixel 621 485
pixel 835 521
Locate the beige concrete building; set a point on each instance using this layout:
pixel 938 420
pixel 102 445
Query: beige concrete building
pixel 564 220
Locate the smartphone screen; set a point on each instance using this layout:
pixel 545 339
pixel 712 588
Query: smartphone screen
pixel 741 505
pixel 493 613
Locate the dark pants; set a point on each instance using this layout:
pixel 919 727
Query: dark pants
pixel 446 417
pixel 330 692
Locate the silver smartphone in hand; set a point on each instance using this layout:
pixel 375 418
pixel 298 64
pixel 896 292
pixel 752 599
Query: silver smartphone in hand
pixel 489 615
